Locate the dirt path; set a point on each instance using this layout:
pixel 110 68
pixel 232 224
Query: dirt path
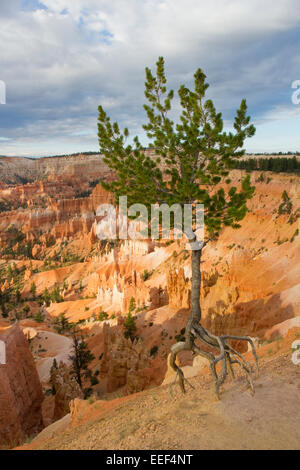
pixel 155 420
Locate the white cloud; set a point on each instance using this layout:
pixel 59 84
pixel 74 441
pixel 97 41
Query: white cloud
pixel 59 63
pixel 282 113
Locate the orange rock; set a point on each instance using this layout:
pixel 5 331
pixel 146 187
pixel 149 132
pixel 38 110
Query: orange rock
pixel 21 394
pixel 179 289
pixel 77 408
pixel 123 361
pixel 66 389
pixel 27 274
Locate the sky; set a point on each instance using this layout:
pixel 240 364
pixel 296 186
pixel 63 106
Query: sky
pixel 60 59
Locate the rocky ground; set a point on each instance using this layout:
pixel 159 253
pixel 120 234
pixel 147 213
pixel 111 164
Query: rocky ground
pixel 163 418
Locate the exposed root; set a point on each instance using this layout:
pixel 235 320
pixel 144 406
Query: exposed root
pixel 176 349
pixel 228 356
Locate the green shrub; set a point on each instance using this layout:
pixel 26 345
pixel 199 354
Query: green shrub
pixel 286 205
pixel 154 351
pixel 294 236
pixel 130 327
pixel 146 275
pixel 39 317
pixel 94 380
pixel 180 338
pixel 33 290
pixel 102 316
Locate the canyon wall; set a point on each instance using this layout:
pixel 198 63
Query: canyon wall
pixel 21 394
pixel 15 169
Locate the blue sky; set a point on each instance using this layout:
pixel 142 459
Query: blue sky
pixel 60 59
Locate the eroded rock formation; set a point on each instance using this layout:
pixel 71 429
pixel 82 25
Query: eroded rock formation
pixel 179 289
pixel 21 394
pixel 124 362
pixel 66 389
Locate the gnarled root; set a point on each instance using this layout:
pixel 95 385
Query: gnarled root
pixel 228 356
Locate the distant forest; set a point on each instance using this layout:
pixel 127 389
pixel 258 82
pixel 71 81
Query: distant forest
pixel 274 154
pixel 277 165
pixel 70 155
pixel 280 162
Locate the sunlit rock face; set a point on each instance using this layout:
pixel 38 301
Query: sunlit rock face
pixel 66 389
pixel 15 169
pixel 21 394
pixel 125 362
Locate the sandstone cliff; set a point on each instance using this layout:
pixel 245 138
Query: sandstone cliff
pixel 16 169
pixel 66 389
pixel 21 394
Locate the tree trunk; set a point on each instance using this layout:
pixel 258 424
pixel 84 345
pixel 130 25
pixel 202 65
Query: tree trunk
pixel 194 330
pixel 195 316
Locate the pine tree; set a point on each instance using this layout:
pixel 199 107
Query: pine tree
pixel 53 368
pixel 132 305
pixel 3 308
pixel 47 297
pixel 55 295
pixel 80 359
pixel 33 290
pixel 129 325
pixel 194 158
pixel 61 324
pixel 39 317
pixel 9 273
pixel 286 206
pixel 15 270
pixel 18 295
